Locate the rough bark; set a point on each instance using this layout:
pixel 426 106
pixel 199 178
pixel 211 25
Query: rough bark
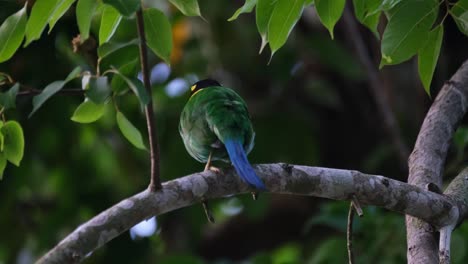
pixel 279 178
pixel 427 160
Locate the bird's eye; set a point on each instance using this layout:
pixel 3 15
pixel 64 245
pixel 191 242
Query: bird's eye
pixel 193 87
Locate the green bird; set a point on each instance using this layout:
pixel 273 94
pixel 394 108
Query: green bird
pixel 215 125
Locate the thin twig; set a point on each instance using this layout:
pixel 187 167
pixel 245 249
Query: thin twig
pixel 71 92
pixel 155 182
pixel 357 206
pixel 375 85
pixel 349 233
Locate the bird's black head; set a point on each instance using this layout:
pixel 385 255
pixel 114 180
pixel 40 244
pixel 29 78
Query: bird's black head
pixel 203 84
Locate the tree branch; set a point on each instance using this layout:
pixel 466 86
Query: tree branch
pixel 427 160
pixel 279 178
pixel 376 85
pixel 155 182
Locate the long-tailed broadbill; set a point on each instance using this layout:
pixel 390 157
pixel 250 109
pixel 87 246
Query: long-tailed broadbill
pixel 215 125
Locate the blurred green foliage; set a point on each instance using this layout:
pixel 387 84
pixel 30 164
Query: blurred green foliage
pixel 309 106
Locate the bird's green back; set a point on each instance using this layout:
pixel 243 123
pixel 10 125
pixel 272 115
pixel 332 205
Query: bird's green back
pixel 211 116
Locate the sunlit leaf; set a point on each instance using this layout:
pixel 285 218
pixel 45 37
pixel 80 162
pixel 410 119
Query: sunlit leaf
pixel 12 33
pixel 41 12
pixel 88 112
pixel 129 131
pixel 407 30
pixel 60 9
pixel 246 8
pixel 125 7
pixel 8 99
pixel 263 13
pixel 282 21
pixel 109 22
pixel 329 12
pixel 158 33
pixel 84 14
pixel 13 147
pixel 428 56
pixel 52 89
pixel 98 89
pixel 187 7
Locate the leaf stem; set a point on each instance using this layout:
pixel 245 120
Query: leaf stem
pixel 155 182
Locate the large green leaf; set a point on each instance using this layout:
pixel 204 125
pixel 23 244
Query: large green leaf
pixel 12 33
pixel 428 56
pixel 125 7
pixel 136 86
pixel 158 33
pixel 52 89
pixel 187 7
pixel 60 9
pixel 407 30
pixel 282 21
pixel 41 12
pixel 118 84
pixel 263 15
pixel 98 89
pixel 329 12
pixel 368 13
pixel 84 14
pixel 109 22
pixel 129 131
pixel 8 99
pixel 88 112
pixel 246 8
pixel 13 146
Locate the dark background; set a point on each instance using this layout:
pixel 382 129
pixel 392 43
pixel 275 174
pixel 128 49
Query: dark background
pixel 310 105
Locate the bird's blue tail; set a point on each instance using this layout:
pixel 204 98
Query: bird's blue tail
pixel 239 160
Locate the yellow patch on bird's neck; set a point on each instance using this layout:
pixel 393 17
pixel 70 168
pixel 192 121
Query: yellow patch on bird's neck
pixel 197 91
pixel 193 87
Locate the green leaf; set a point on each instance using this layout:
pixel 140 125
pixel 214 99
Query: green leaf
pixel 118 84
pixel 98 89
pixel 407 30
pixel 12 34
pixel 368 13
pixel 88 112
pixel 3 163
pixel 309 2
pixel 84 14
pixel 125 7
pixel 111 47
pixel 13 148
pixel 262 16
pixel 282 21
pixel 8 99
pixel 459 13
pixel 109 22
pixel 428 56
pixel 136 86
pixel 246 8
pixel 52 89
pixel 129 131
pixel 329 12
pixel 187 7
pixel 41 12
pixel 60 9
pixel 158 33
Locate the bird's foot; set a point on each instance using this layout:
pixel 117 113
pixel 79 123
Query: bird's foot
pixel 213 169
pixel 208 214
